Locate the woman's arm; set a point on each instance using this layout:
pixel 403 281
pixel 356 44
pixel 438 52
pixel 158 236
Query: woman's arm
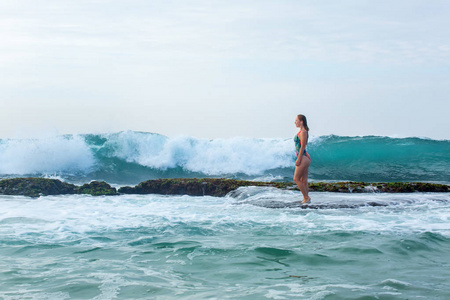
pixel 303 141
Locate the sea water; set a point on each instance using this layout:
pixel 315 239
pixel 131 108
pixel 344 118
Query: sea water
pixel 251 244
pixel 130 157
pixel 183 247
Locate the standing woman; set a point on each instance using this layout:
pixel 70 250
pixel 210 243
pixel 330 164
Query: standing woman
pixel 303 158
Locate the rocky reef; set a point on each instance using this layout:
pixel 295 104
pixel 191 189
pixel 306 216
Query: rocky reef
pixel 35 187
pixel 380 187
pixel 221 187
pixel 96 188
pixel 190 186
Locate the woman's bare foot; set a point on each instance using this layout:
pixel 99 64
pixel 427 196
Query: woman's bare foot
pixel 306 200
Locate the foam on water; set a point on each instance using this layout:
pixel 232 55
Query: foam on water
pixel 130 157
pixel 46 155
pixel 210 157
pixel 67 217
pixel 153 246
pixel 255 243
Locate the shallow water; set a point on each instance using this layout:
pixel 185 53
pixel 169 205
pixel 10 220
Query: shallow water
pixel 164 247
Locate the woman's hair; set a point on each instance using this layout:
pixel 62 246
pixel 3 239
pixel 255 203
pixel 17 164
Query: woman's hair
pixel 305 123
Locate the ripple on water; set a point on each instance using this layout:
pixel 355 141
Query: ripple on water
pixel 115 249
pixel 22 220
pixel 36 248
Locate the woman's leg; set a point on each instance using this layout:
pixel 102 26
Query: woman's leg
pixel 301 177
pixel 298 181
pixel 305 181
pixel 305 177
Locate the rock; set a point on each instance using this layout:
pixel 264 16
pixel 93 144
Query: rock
pixel 190 186
pixel 34 187
pixel 430 187
pixel 220 187
pixel 96 188
pixel 380 187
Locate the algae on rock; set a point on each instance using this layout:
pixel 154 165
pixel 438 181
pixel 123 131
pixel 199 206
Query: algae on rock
pixel 219 187
pixel 34 187
pixel 96 188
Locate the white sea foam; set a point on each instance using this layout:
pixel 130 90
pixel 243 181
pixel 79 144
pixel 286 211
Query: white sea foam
pixel 175 244
pixel 115 155
pixel 268 178
pixel 46 155
pixel 68 217
pixel 211 157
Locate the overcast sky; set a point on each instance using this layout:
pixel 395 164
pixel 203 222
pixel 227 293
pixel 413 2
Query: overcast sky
pixel 225 68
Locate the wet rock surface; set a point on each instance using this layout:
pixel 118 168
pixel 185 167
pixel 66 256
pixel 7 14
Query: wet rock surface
pixel 221 187
pixel 190 186
pixel 96 188
pixel 381 187
pixel 35 187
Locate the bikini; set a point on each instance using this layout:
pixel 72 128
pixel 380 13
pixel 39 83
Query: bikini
pixel 298 145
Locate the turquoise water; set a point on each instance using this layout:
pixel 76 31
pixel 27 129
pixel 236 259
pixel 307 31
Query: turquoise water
pixel 238 246
pixel 130 157
pixel 182 247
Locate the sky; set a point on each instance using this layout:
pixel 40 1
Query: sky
pixel 220 69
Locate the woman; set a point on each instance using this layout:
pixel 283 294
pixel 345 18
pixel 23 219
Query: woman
pixel 303 158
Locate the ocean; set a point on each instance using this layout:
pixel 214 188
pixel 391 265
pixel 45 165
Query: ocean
pixel 130 157
pixel 232 247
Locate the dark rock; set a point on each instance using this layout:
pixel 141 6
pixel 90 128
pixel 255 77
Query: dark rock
pixel 34 187
pixel 431 187
pixel 298 204
pixel 96 188
pixel 128 190
pixel 382 187
pixel 220 187
pixel 190 186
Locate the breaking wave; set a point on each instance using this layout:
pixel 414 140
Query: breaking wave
pixel 130 157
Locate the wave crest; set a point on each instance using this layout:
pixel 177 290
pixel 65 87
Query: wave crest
pixel 130 156
pixel 49 155
pixel 210 157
